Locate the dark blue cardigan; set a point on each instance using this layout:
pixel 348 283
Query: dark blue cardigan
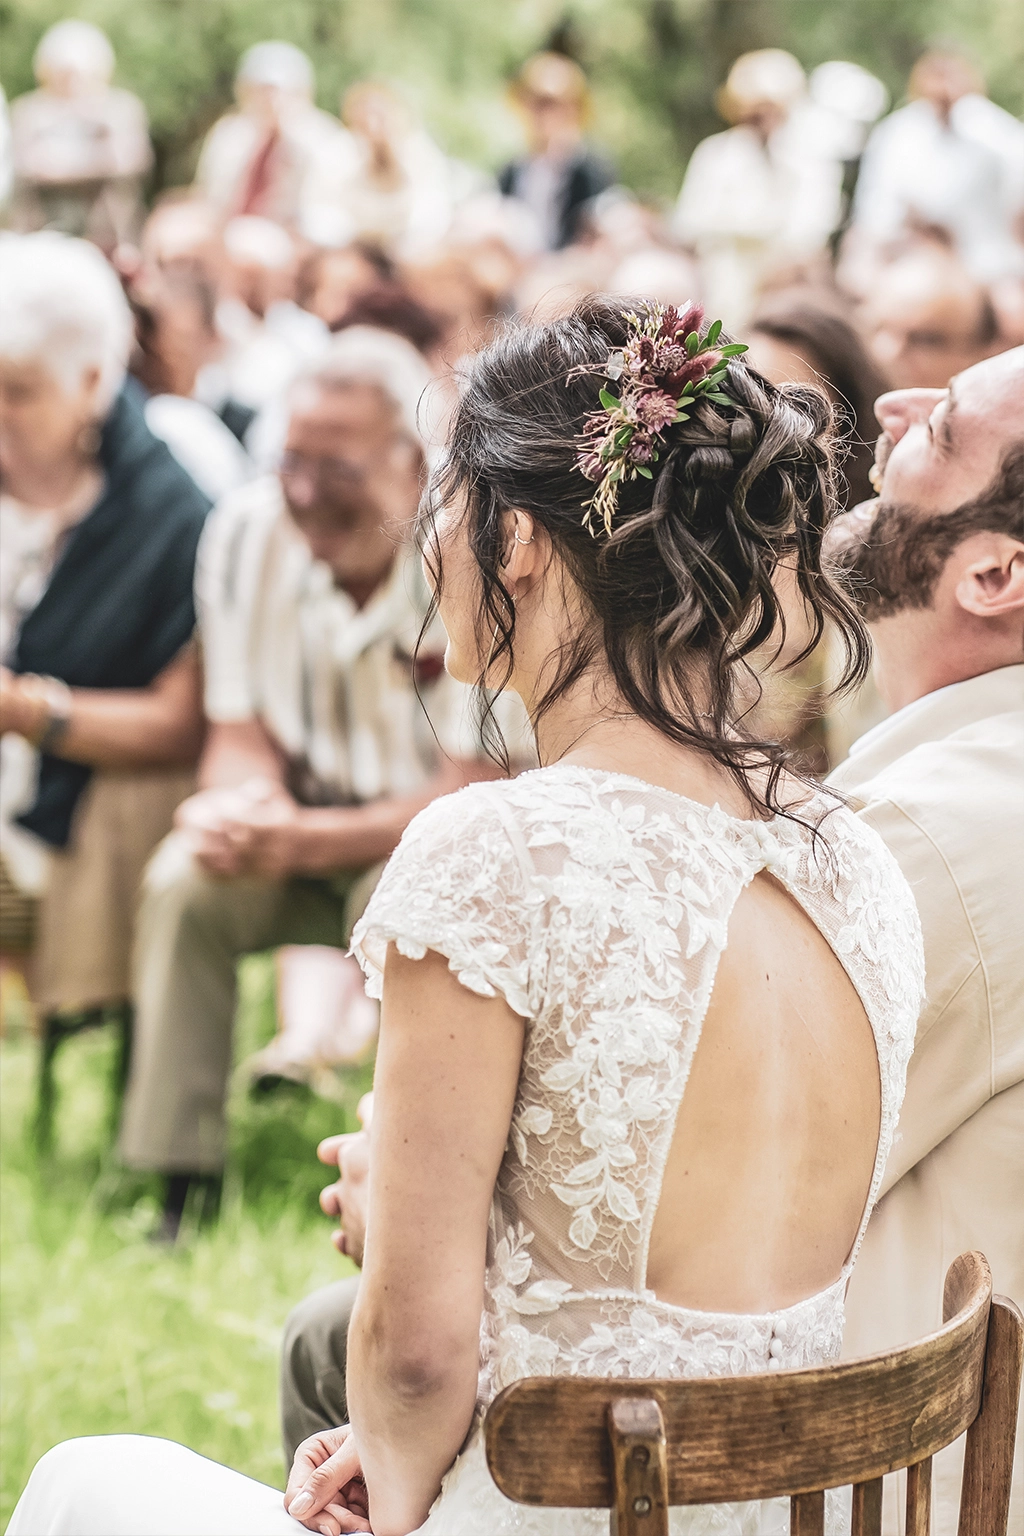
pixel 119 605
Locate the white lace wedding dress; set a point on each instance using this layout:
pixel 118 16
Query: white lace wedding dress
pixel 598 906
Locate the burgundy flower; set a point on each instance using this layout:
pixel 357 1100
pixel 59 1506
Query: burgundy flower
pixel 641 448
pixel 654 368
pixel 691 318
pixel 656 409
pixel 693 370
pixel 639 355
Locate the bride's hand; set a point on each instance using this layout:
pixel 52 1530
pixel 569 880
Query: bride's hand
pixel 325 1491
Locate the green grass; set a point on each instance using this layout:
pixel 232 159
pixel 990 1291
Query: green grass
pixel 103 1332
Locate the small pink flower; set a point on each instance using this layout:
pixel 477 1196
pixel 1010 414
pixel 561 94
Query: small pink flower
pixel 591 466
pixel 656 409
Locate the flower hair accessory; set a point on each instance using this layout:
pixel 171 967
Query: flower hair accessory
pixel 663 369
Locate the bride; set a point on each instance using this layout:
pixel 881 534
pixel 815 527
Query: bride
pixel 646 1010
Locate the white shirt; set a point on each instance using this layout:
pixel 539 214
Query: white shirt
pixel 201 443
pixel 967 177
pixel 942 781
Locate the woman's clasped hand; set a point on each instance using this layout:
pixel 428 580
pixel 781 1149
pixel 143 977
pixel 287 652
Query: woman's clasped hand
pixel 325 1488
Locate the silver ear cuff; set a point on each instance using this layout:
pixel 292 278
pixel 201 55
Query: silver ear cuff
pixel 523 541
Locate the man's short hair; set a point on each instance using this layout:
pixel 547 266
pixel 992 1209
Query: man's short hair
pixel 899 562
pixel 362 354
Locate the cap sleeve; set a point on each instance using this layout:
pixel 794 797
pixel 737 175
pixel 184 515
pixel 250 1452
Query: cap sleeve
pixel 457 884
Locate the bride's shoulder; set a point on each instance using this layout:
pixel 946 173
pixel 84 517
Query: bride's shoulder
pixel 538 792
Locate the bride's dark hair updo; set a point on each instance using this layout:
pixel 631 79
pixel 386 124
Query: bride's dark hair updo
pixel 680 592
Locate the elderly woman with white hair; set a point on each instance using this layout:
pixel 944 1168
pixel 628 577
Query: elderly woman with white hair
pixel 99 685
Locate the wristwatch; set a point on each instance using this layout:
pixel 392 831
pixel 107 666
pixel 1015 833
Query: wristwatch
pixel 55 697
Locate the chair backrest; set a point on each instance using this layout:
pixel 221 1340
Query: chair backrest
pixel 639 1447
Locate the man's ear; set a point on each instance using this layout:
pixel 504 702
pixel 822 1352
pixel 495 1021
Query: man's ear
pixel 992 586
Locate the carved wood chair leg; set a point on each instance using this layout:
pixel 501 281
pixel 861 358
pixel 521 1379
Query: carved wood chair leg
pixel 988 1457
pixel 919 1498
pixel 867 1508
pixel 807 1514
pixel 639 1470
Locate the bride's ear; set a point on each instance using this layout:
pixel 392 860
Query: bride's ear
pixel 521 556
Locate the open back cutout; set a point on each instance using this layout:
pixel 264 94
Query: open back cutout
pixel 770 1164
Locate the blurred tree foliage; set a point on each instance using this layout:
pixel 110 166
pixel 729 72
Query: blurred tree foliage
pixel 654 64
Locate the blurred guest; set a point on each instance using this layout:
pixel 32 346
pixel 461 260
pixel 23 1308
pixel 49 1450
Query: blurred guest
pixel 926 319
pixel 183 234
pixel 175 338
pixel 560 174
pixel 266 337
pixel 360 285
pixel 848 99
pixel 452 290
pixel 177 283
pixel 318 752
pixel 795 338
pixel 100 685
pixel 396 189
pixel 765 195
pixel 265 158
pixel 938 563
pixel 498 236
pixel 81 147
pixel 951 160
pixel 329 282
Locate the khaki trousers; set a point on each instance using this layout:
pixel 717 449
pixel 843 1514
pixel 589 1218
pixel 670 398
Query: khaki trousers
pixel 191 930
pixel 314 1362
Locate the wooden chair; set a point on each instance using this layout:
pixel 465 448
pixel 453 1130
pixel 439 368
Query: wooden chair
pixel 639 1447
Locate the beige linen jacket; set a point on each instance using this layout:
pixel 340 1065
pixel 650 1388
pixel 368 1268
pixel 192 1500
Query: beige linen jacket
pixel 942 781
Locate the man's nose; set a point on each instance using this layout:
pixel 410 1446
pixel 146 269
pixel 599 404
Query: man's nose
pixel 902 408
pixel 302 489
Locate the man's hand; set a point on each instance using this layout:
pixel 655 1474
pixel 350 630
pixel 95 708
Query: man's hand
pixel 347 1198
pixel 255 829
pixel 325 1491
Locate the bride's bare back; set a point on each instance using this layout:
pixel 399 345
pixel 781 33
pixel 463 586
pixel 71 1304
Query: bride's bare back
pixel 771 1160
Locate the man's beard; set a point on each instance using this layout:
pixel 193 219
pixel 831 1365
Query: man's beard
pixel 887 557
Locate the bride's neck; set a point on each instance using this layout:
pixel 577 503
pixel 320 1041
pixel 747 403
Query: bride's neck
pixel 594 727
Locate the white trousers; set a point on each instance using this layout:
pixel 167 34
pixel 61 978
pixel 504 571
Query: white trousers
pixel 134 1485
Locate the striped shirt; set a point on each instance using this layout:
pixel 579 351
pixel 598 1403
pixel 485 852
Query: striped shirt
pixel 333 684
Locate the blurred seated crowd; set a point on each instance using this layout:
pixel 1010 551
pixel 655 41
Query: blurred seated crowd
pixel 223 693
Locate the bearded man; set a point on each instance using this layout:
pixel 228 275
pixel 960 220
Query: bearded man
pixel 937 563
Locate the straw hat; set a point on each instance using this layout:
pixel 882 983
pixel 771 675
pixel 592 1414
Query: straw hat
pixel 767 77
